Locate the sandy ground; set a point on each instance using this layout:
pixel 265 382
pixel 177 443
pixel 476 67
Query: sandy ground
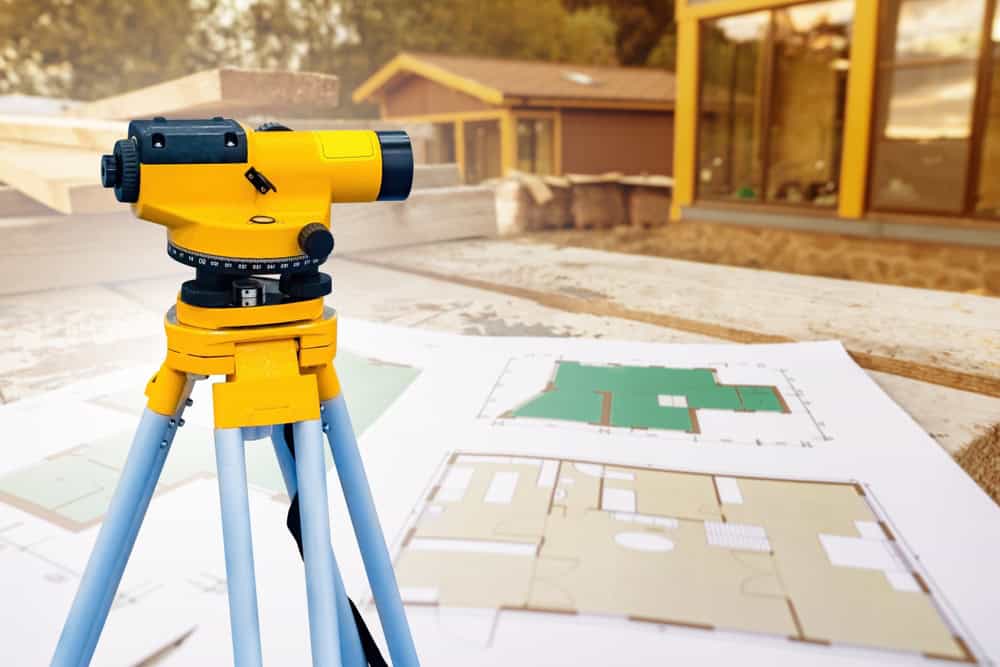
pixel 953 268
pixel 981 459
pixel 912 264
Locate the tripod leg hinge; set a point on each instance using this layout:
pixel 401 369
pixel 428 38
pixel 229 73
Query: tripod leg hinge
pixel 327 381
pixel 166 390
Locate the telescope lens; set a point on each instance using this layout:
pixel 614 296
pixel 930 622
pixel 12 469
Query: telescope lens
pixel 397 165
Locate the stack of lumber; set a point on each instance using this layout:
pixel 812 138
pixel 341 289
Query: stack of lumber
pixel 526 202
pixel 56 160
pixel 51 164
pixel 529 202
pixel 432 214
pixel 598 201
pixel 648 199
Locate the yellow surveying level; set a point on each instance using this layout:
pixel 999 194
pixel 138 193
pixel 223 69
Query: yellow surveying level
pixel 249 210
pixel 237 201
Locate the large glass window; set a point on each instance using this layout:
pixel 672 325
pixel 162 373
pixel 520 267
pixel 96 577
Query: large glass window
pixel 988 191
pixel 535 147
pixel 809 92
pixel 772 104
pixel 441 146
pixel 729 164
pixel 482 151
pixel 925 104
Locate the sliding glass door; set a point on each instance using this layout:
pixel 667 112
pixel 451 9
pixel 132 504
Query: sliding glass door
pixel 772 104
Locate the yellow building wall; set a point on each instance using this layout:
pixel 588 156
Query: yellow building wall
pixel 860 92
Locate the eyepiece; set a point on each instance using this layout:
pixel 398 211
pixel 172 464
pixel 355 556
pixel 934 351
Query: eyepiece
pixel 397 165
pixel 121 171
pixel 110 176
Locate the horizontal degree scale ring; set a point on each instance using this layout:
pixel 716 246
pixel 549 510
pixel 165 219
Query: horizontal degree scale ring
pixel 208 262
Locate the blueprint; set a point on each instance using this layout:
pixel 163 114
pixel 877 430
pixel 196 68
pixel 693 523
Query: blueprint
pixel 546 501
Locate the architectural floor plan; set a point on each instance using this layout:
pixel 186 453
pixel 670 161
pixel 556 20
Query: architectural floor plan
pixel 710 401
pixel 802 561
pixel 72 487
pixel 643 397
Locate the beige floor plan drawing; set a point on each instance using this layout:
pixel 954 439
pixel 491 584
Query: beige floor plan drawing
pixel 801 561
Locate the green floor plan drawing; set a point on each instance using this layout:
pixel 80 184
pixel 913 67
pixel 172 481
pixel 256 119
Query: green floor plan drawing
pixel 642 397
pixel 73 488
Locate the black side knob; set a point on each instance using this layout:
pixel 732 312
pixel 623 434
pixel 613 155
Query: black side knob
pixel 316 240
pixel 121 171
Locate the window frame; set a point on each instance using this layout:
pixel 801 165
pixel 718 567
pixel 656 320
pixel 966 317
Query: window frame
pixel 538 114
pixel 979 111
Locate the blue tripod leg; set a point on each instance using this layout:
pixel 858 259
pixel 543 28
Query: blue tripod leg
pixel 242 585
pixel 321 591
pixel 374 553
pixel 350 643
pixel 115 540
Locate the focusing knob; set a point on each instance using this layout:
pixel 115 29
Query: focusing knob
pixel 120 171
pixel 316 240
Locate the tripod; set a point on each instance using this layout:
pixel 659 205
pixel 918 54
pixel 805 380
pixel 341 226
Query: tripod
pixel 280 381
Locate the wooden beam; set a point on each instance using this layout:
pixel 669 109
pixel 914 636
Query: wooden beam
pixel 96 135
pixel 223 92
pixel 438 214
pixel 686 117
pixel 65 179
pixel 16 204
pixel 858 114
pixel 426 176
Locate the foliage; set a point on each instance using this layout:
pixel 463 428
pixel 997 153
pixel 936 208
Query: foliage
pixel 374 32
pixel 640 26
pixel 87 49
pixel 91 48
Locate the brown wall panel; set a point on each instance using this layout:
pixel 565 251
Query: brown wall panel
pixel 417 96
pixel 633 142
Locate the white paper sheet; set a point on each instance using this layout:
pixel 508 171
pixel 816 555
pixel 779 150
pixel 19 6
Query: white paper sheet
pixel 803 471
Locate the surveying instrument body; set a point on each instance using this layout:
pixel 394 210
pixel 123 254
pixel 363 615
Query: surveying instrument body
pixel 242 206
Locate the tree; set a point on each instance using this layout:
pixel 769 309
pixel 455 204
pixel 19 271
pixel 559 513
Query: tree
pixel 640 26
pixel 91 48
pixel 370 32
